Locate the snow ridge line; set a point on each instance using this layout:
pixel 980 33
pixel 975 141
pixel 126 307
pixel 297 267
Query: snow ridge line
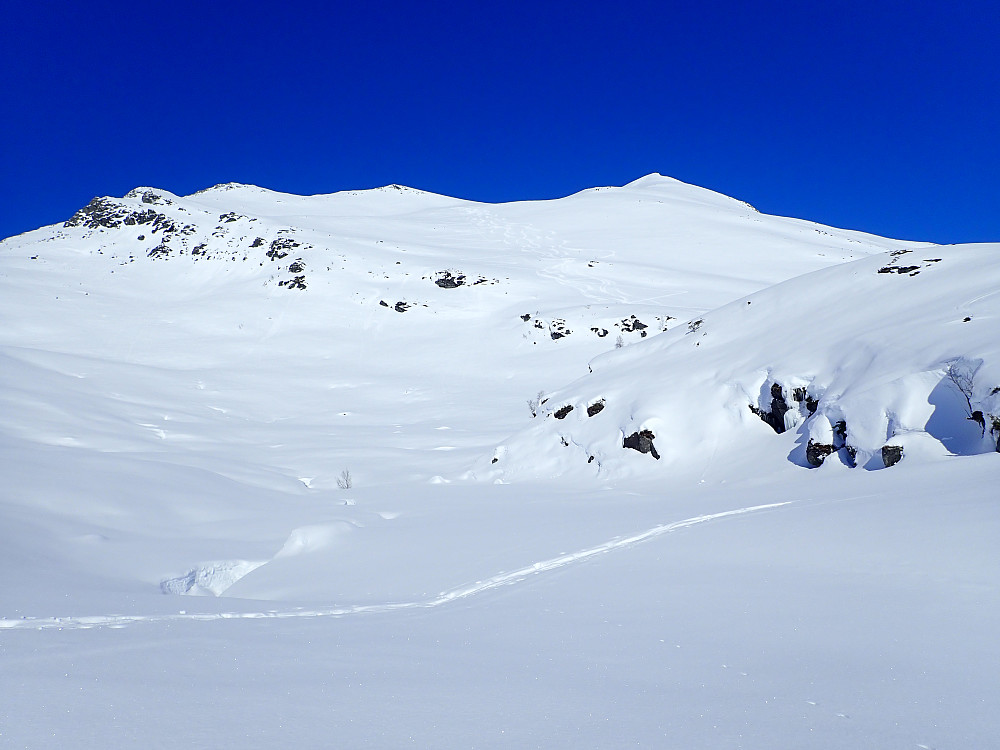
pixel 445 597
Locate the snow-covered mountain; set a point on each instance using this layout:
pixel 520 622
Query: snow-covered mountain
pixel 403 425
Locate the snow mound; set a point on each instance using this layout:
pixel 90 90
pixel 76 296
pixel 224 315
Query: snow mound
pixel 887 357
pixel 310 539
pixel 210 579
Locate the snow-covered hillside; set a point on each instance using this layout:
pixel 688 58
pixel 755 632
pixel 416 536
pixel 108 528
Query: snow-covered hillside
pixel 873 360
pixel 281 469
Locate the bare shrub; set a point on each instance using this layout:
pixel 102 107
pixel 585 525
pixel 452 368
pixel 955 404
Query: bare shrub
pixel 344 481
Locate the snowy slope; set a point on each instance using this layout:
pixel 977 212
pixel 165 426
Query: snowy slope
pixel 863 361
pixel 184 381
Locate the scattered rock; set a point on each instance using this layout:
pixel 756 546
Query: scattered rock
pixel 633 324
pixel 297 267
pixel 446 280
pixel 558 329
pixel 642 441
pixel 401 307
pixel 108 214
pixel 279 248
pixel 299 282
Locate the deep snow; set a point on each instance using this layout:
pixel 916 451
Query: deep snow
pixel 176 412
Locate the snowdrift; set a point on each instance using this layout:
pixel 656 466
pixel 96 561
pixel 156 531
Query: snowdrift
pixel 888 358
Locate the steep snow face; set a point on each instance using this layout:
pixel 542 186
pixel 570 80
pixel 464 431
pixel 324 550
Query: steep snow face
pixel 870 362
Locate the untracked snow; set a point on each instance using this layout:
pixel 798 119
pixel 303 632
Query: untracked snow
pixel 641 466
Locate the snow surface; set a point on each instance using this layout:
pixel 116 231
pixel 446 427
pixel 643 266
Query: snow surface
pixel 180 567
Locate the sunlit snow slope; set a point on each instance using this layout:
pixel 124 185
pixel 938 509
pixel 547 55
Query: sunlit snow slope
pixel 889 357
pixel 590 472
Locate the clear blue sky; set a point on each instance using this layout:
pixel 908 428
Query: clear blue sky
pixel 881 116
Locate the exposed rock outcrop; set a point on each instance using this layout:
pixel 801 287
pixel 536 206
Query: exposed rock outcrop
pixel 642 441
pixel 775 416
pixel 891 455
pixel 816 453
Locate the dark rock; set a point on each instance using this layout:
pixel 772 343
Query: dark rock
pixel 775 417
pixel 816 453
pixel 297 267
pixel 279 248
pixel 257 242
pixel 495 459
pixel 558 329
pixel 891 455
pixel 629 325
pixel 299 282
pixel 595 408
pixel 601 332
pixel 100 212
pixel 590 460
pixel 526 317
pixel 643 442
pixel 840 433
pixel 446 280
pixel 401 307
pixel 562 411
pixel 231 217
pixel 106 213
pixel 383 303
pixel 199 249
pixel 141 237
pixel 160 251
pixel 852 454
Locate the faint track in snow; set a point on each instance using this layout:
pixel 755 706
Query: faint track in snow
pixel 445 597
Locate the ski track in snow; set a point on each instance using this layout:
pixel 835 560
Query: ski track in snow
pixel 445 597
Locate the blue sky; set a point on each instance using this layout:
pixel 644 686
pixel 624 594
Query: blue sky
pixel 881 116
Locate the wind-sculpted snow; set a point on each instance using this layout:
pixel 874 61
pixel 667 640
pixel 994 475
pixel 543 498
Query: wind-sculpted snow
pixel 850 361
